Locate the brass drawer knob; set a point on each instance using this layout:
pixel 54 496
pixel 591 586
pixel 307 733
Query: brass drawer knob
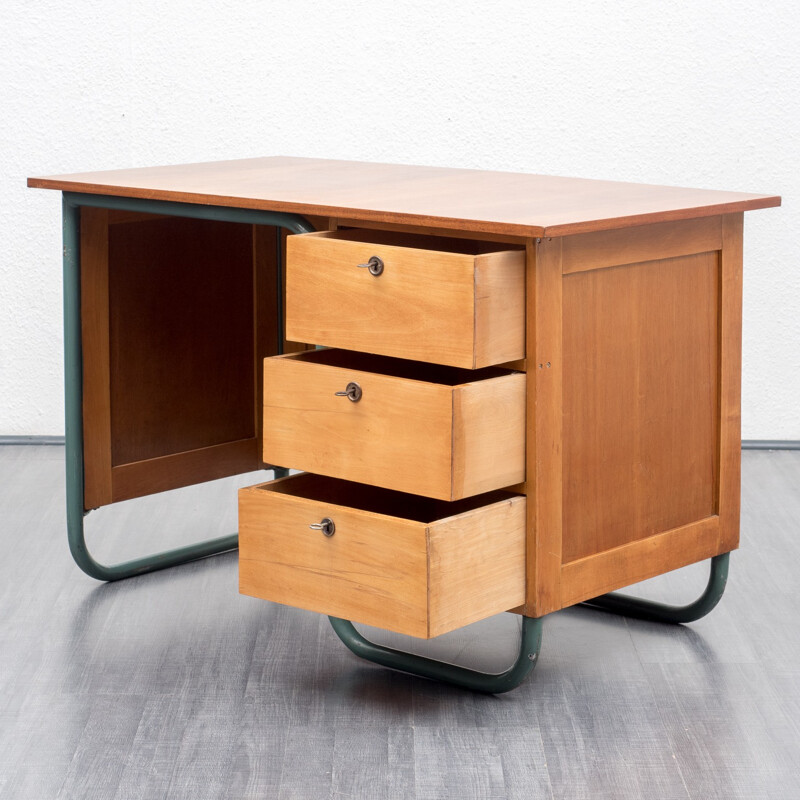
pixel 374 265
pixel 325 525
pixel 352 392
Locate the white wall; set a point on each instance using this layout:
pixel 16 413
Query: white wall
pixel 694 94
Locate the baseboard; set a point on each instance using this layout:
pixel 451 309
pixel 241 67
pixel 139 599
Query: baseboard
pixel 770 444
pixel 31 440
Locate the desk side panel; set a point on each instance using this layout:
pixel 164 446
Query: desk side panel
pixel 650 404
pixel 640 400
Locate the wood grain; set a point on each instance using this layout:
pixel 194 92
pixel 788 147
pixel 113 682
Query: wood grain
pixel 181 331
pixel 544 426
pixel 640 401
pixel 269 296
pixel 373 569
pixel 492 202
pixel 639 560
pixel 588 251
pixel 488 433
pixel 461 306
pixel 289 345
pixel 376 440
pixel 730 381
pixel 476 563
pixel 165 388
pixel 96 358
pixel 408 432
pixel 183 469
pixel 499 307
pixel 415 576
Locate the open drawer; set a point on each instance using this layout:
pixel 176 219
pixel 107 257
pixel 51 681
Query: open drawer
pixel 447 301
pixel 436 431
pixel 408 564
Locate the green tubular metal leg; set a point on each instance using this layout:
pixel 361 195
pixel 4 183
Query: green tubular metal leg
pixel 73 371
pixel 531 640
pixel 639 608
pixel 530 645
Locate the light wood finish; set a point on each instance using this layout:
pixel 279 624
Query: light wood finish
pixel 269 248
pixel 640 401
pixel 441 300
pixel 476 564
pixel 544 426
pixel 730 381
pixel 412 566
pixel 434 431
pixel 499 307
pixel 290 346
pixel 589 251
pixel 491 202
pixel 488 434
pixel 639 560
pixel 96 358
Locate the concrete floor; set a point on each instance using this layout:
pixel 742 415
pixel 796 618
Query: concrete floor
pixel 173 685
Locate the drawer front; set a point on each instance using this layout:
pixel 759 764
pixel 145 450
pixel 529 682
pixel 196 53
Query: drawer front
pixel 426 438
pixel 460 309
pixel 445 567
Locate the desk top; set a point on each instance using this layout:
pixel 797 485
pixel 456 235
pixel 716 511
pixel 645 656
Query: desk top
pixel 504 203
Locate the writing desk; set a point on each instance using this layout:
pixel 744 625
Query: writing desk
pixel 531 397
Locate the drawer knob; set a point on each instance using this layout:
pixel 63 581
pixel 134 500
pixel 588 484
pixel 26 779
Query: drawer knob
pixel 325 525
pixel 374 265
pixel 352 392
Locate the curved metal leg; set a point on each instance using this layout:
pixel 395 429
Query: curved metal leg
pixel 530 645
pixel 151 563
pixel 660 612
pixel 73 374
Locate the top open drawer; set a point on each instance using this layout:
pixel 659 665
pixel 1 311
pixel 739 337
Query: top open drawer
pixel 447 301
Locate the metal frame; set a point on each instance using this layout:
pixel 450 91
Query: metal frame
pixel 531 638
pixel 639 608
pixel 73 369
pixel 491 683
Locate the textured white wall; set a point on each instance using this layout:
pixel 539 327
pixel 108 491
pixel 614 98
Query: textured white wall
pixel 693 94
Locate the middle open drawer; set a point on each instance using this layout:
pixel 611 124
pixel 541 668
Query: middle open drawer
pixel 429 430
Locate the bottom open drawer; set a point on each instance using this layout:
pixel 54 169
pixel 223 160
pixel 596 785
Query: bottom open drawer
pixel 397 561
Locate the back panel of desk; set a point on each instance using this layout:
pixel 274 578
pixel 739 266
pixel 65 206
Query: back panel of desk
pixel 177 316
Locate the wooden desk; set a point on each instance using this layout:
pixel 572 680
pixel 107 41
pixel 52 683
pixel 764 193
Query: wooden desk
pixel 550 371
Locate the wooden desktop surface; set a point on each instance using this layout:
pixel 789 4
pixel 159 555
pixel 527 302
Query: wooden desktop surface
pixel 499 203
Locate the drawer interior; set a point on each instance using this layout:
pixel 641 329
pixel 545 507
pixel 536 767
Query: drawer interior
pixel 375 500
pixel 399 367
pixel 417 241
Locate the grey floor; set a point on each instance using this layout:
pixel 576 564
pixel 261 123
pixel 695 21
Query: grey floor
pixel 173 686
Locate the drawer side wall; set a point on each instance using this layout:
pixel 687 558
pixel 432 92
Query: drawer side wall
pixel 477 565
